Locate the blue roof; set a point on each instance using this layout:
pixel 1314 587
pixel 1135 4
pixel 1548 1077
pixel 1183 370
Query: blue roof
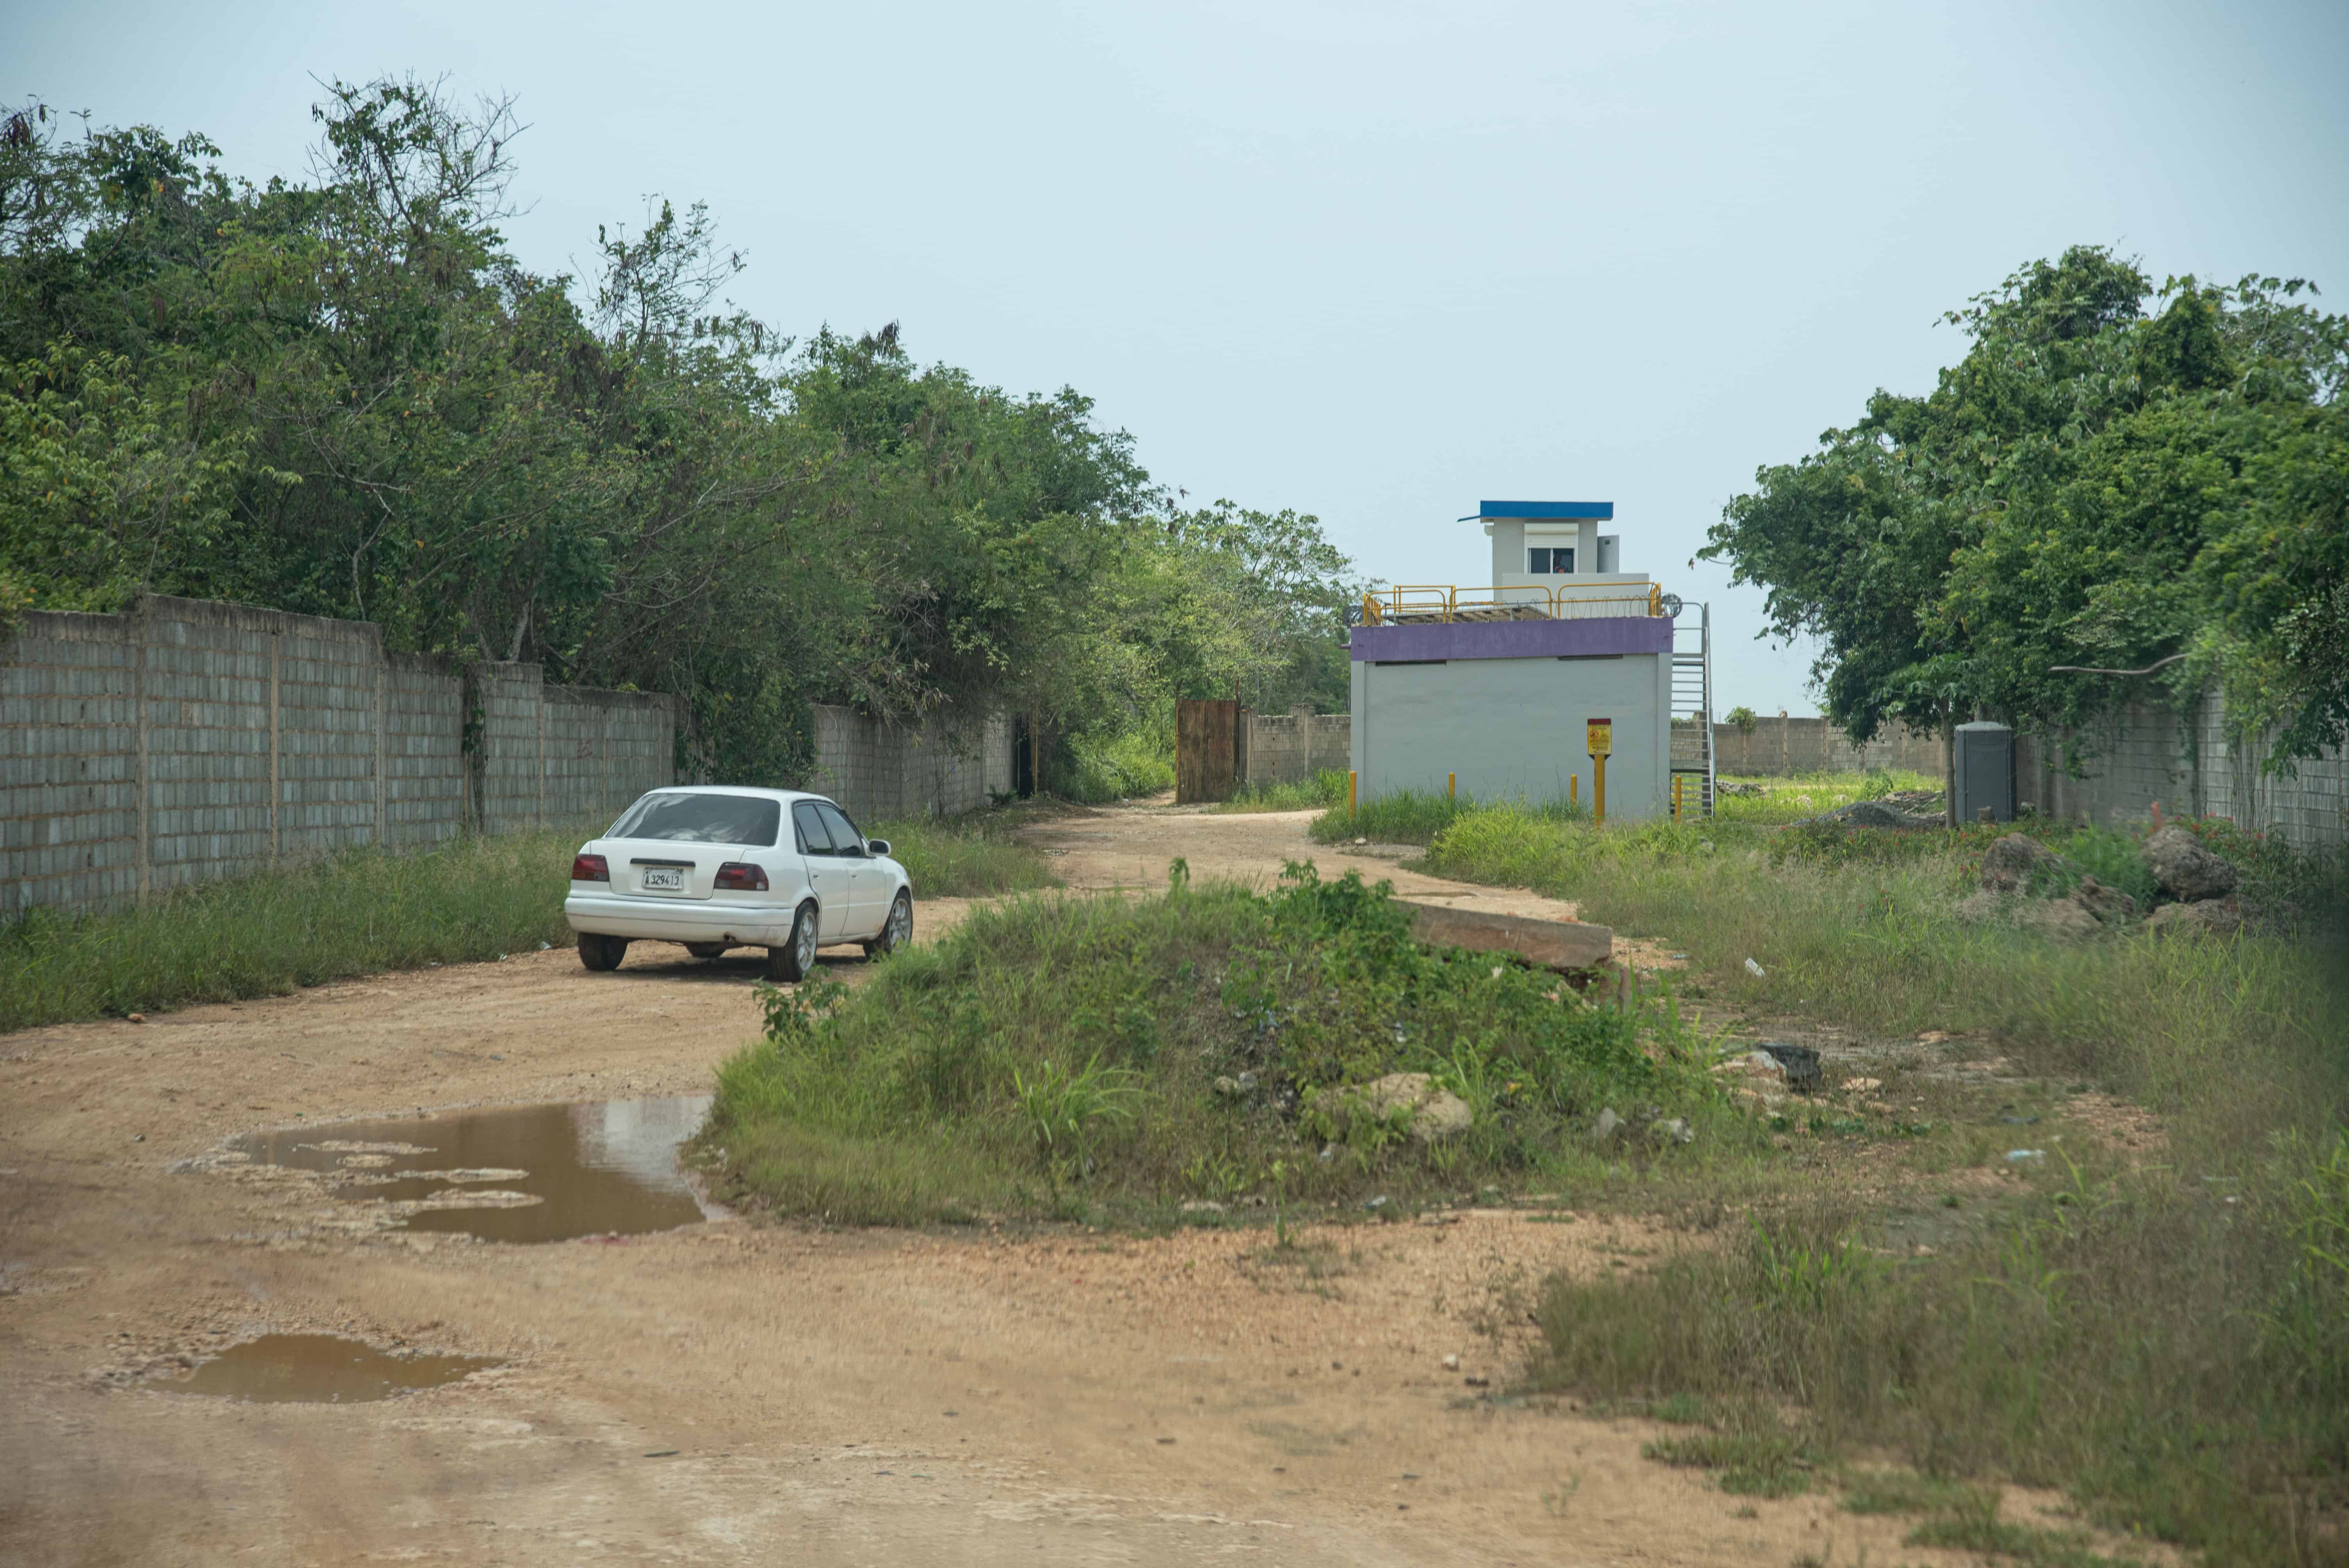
pixel 1599 511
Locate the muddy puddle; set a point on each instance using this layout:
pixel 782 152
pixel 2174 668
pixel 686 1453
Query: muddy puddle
pixel 533 1174
pixel 320 1369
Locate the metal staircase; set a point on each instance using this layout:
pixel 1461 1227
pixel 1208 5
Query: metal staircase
pixel 1693 716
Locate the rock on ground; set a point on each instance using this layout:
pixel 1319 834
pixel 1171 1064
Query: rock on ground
pixel 2014 861
pixel 2206 917
pixel 2063 920
pixel 2110 905
pixel 1436 1114
pixel 2186 871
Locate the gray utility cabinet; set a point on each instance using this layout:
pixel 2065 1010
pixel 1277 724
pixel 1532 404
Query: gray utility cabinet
pixel 1983 763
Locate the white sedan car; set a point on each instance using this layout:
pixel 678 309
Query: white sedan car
pixel 716 867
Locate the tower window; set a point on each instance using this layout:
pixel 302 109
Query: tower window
pixel 1544 559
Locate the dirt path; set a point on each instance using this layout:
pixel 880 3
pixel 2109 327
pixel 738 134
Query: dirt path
pixel 730 1393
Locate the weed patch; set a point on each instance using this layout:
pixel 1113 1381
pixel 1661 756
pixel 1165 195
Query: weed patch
pixel 972 856
pixel 1060 1056
pixel 353 914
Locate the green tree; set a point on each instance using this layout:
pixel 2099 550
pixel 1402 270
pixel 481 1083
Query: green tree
pixel 2095 491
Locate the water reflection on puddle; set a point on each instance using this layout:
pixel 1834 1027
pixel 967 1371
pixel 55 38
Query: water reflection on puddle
pixel 319 1369
pixel 534 1174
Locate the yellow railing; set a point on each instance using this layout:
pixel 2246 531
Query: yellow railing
pixel 1443 601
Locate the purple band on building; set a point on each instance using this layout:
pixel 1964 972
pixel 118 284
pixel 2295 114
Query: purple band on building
pixel 1584 639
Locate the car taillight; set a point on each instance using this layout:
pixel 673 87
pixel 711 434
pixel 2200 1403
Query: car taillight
pixel 741 876
pixel 590 868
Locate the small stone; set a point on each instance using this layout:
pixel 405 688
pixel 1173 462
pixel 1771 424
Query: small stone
pixel 1377 1203
pixel 1476 1381
pixel 2018 863
pixel 138 1017
pixel 2210 917
pixel 1452 1364
pixel 1604 1130
pixel 2110 905
pixel 1203 1206
pixel 1675 1131
pixel 1228 1088
pixel 1862 1084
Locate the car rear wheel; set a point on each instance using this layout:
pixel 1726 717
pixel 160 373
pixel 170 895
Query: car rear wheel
pixel 898 930
pixel 601 953
pixel 790 962
pixel 706 949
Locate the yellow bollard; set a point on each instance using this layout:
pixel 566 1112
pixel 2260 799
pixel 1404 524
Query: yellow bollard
pixel 1574 789
pixel 1678 778
pixel 1598 792
pixel 1451 785
pixel 1350 777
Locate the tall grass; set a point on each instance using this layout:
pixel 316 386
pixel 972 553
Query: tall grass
pixel 2116 1335
pixel 1327 788
pixel 1858 929
pixel 2171 1343
pixel 973 856
pixel 263 935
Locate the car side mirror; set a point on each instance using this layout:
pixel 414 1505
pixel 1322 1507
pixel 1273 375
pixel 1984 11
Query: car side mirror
pixel 877 846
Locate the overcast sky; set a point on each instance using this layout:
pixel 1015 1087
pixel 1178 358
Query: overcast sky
pixel 1375 263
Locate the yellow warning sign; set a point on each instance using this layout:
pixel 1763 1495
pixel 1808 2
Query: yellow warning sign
pixel 1602 736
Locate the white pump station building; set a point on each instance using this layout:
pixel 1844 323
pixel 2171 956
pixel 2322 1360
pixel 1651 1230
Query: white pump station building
pixel 1491 690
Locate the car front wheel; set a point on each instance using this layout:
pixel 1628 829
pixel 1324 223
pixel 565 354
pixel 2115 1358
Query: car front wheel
pixel 601 953
pixel 897 932
pixel 791 962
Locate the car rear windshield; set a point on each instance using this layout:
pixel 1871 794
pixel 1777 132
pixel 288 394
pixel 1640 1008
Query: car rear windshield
pixel 693 819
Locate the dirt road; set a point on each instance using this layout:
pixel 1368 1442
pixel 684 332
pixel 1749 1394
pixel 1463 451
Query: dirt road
pixel 736 1393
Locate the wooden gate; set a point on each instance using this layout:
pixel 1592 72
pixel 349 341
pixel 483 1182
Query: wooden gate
pixel 1208 746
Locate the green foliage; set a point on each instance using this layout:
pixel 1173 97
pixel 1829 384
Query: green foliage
pixel 1743 717
pixel 2091 488
pixel 1418 816
pixel 1118 766
pixel 1215 1027
pixel 345 397
pixel 1062 1106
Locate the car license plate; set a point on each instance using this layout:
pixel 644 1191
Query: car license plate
pixel 664 879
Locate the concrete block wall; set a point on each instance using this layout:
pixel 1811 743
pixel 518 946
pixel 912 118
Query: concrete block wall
pixel 1781 745
pixel 1291 748
pixel 426 786
pixel 879 771
pixel 69 795
pixel 184 742
pixel 603 749
pixel 2190 766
